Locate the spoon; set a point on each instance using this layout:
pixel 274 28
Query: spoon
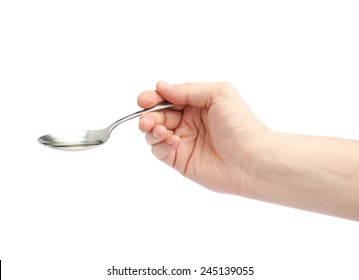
pixel 86 139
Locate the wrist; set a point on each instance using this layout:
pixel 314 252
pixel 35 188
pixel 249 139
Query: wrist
pixel 260 162
pixel 280 169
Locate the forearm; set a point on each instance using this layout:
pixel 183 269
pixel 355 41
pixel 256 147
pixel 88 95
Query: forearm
pixel 318 174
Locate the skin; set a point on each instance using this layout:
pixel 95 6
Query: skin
pixel 213 138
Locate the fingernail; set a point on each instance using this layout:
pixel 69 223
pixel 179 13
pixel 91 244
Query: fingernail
pixel 154 134
pixel 171 141
pixel 165 84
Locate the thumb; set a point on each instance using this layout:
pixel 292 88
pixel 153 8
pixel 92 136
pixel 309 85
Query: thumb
pixel 194 94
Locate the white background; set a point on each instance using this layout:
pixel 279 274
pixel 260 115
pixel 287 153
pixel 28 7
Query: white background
pixel 81 64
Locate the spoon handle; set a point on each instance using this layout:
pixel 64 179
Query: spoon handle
pixel 157 107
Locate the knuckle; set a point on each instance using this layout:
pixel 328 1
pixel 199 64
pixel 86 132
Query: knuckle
pixel 225 87
pixel 185 87
pixel 223 90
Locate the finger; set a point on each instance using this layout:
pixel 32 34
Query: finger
pixel 149 98
pixel 165 150
pixel 169 118
pixel 195 94
pixel 158 134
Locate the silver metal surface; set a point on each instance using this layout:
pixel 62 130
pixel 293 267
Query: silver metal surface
pixel 86 139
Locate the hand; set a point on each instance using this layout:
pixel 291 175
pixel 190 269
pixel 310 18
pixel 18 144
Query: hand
pixel 209 137
pixel 212 137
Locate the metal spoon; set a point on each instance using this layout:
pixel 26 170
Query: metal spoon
pixel 85 139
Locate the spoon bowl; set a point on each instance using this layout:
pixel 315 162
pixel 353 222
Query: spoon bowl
pixel 75 140
pixel 86 139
